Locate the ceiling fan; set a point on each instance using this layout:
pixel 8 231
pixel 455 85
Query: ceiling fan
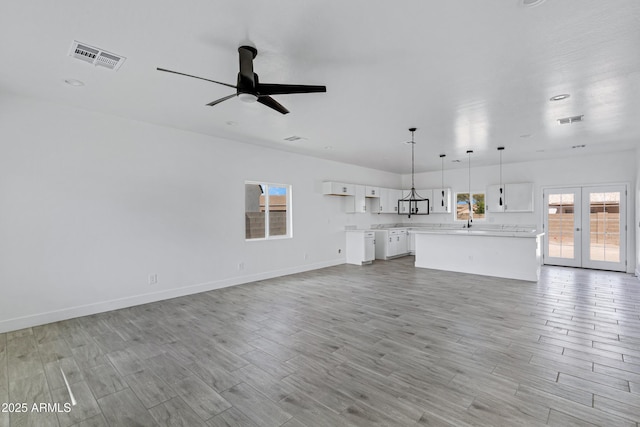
pixel 249 88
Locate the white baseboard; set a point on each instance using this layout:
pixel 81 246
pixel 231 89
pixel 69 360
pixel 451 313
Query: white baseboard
pixel 103 306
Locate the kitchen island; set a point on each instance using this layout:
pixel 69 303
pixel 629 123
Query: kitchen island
pixel 501 253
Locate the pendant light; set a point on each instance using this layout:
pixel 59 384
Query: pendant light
pixel 501 149
pixel 442 156
pixel 470 218
pixel 413 199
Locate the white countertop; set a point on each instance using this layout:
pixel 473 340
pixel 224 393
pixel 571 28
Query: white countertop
pixel 495 230
pixel 474 232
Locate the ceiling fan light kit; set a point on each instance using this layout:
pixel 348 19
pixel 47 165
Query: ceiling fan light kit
pixel 248 87
pixel 413 198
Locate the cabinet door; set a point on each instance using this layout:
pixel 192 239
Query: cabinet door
pixel 402 243
pixel 441 202
pixel 425 206
pixel 356 203
pixel 379 204
pixel 392 250
pixel 361 201
pixel 519 197
pixel 369 247
pixel 493 197
pixel 392 204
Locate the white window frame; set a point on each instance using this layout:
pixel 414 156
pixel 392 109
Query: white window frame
pixel 473 217
pixel 289 219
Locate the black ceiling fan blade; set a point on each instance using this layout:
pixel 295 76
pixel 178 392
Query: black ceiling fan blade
pixel 195 77
pixel 280 89
pixel 272 103
pixel 218 101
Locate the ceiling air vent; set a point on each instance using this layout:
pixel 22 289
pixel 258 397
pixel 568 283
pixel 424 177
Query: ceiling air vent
pixel 569 120
pixel 96 56
pixel 293 138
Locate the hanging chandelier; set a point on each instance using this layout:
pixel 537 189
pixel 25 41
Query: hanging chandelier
pixel 413 203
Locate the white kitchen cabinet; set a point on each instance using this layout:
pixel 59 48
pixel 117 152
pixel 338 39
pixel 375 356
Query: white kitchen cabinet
pixel 387 202
pixel 360 247
pixel 338 188
pixel 391 243
pixel 424 206
pixel 519 197
pixel 394 196
pixel 492 198
pixel 371 191
pixel 441 201
pixel 403 208
pixel 516 197
pixel 380 202
pixel 358 202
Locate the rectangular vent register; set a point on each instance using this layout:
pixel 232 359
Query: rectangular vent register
pixel 96 56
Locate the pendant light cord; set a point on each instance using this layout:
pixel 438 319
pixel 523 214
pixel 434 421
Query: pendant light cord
pixel 501 168
pixel 413 144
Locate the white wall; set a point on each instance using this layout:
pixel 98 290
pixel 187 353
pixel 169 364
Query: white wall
pixel 617 167
pixel 91 205
pixel 636 224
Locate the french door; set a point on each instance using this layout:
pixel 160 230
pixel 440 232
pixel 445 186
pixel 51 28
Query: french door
pixel 586 227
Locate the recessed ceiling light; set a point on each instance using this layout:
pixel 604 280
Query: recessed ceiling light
pixel 532 3
pixel 230 123
pixel 525 135
pixel 74 82
pixel 328 147
pixel 559 97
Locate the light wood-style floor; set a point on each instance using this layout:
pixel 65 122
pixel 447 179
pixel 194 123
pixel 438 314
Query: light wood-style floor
pixel 385 344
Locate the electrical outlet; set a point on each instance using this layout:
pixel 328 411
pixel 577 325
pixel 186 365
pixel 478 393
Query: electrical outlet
pixel 339 251
pixel 153 279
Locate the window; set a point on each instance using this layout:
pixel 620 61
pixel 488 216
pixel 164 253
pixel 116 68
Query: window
pixel 267 211
pixel 462 206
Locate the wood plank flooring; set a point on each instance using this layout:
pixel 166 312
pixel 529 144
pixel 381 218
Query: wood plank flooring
pixel 380 345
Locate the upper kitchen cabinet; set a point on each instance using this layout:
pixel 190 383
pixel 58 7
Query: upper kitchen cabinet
pixel 514 197
pixel 338 189
pixel 387 202
pixel 441 201
pixel 371 191
pixel 358 202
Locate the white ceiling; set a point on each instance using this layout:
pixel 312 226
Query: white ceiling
pixel 469 74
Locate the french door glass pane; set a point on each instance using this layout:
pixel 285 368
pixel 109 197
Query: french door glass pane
pixel 561 225
pixel 604 226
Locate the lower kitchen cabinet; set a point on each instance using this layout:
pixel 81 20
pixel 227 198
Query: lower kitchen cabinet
pixel 361 247
pixel 392 243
